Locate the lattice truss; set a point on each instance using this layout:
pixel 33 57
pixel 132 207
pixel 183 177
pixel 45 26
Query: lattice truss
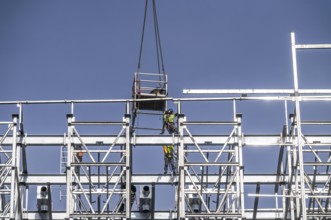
pixel 11 194
pixel 316 175
pixel 111 161
pixel 223 196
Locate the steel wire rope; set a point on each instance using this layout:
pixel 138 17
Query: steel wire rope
pixel 158 41
pixel 159 55
pixel 139 60
pixel 142 36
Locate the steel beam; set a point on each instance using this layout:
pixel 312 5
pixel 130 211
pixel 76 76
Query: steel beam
pixel 60 179
pixel 157 140
pixel 165 215
pixel 256 91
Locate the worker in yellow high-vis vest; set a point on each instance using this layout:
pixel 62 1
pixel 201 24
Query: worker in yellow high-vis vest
pixel 169 122
pixel 168 151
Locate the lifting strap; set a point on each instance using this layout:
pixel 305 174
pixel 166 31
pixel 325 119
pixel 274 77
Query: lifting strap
pixel 159 56
pixel 161 74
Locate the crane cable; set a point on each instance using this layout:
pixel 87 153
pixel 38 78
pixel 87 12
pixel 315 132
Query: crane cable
pixel 157 40
pixel 142 36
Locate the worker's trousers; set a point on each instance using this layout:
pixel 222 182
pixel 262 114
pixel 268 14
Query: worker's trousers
pixel 167 161
pixel 171 128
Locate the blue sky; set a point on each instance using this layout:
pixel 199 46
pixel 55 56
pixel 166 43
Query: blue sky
pixel 89 50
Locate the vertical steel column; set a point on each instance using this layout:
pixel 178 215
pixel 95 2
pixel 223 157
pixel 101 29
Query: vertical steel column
pixel 181 182
pixel 296 173
pixel 290 164
pixel 231 169
pixel 127 163
pixel 179 108
pixel 72 108
pixel 286 115
pixel 241 166
pixel 236 170
pixel 298 120
pixel 14 180
pixel 1 202
pixel 69 200
pixel 284 138
pixel 19 187
pixel 21 150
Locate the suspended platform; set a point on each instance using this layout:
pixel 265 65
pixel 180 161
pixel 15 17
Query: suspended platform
pixel 148 91
pixel 149 86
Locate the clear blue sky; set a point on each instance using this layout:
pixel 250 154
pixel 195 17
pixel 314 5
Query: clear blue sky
pixel 89 50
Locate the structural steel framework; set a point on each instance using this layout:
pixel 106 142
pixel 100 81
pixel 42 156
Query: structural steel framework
pixel 210 180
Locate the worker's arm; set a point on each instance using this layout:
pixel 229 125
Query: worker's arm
pixel 163 126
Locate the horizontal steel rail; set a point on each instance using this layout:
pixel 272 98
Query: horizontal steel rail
pixel 150 74
pixel 98 164
pixel 313 46
pixel 6 122
pixel 210 164
pixel 166 215
pixel 315 122
pixel 250 179
pixel 97 123
pixel 256 91
pixel 158 140
pixel 210 123
pixel 283 95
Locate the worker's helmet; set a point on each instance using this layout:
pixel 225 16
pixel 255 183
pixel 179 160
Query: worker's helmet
pixel 170 110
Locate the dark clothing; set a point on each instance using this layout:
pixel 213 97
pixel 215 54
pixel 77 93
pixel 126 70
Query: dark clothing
pixel 133 197
pixel 79 156
pixel 167 161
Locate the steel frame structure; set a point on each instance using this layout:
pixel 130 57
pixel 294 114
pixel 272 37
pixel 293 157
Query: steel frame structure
pixel 80 194
pixel 300 186
pixel 12 187
pixel 227 158
pixel 302 183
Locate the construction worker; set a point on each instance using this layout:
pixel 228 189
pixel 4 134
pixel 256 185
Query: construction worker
pixel 169 122
pixel 168 151
pixel 133 196
pixel 79 156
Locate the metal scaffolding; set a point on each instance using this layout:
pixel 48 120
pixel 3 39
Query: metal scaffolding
pixel 209 181
pixel 10 205
pixel 80 195
pixel 195 194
